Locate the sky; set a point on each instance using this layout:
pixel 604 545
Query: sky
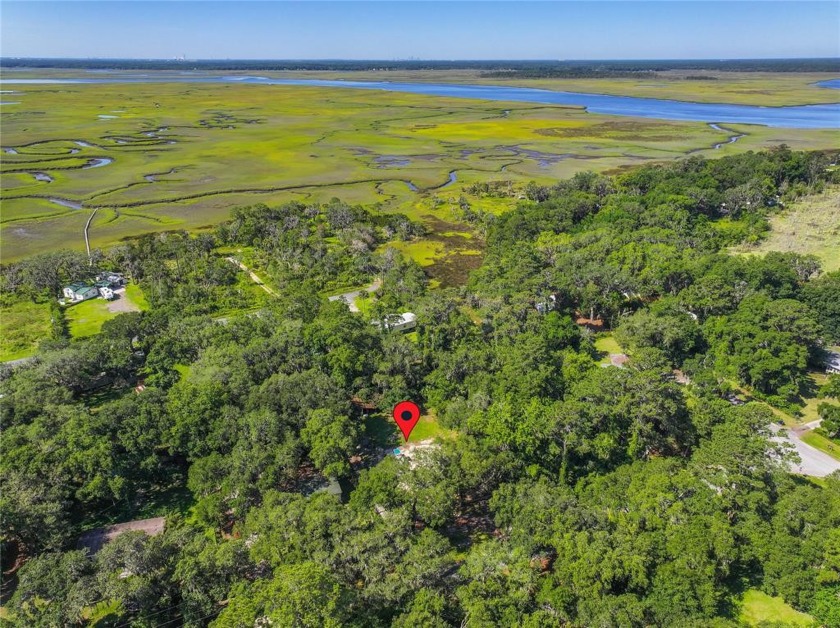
pixel 388 30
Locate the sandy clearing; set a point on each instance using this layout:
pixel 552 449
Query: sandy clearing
pixel 122 303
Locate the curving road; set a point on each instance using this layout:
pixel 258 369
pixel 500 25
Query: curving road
pixel 813 462
pixel 350 297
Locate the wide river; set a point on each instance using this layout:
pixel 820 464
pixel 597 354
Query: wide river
pixel 802 116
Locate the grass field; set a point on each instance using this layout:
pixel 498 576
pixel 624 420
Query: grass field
pixel 806 410
pixel 136 296
pixel 86 318
pixel 383 431
pixel 22 326
pixel 811 225
pixel 606 344
pixel 428 427
pixel 365 304
pixel 826 445
pixel 758 607
pixel 184 154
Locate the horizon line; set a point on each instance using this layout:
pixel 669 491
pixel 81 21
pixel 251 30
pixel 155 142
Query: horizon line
pixel 412 60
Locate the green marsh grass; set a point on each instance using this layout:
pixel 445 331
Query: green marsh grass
pixel 242 144
pixel 747 88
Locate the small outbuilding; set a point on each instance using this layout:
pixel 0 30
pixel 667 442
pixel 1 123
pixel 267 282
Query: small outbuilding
pixel 404 321
pixel 113 280
pixel 398 322
pixel 105 288
pixel 832 362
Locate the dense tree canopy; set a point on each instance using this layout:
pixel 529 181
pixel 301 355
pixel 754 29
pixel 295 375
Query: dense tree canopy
pixel 562 491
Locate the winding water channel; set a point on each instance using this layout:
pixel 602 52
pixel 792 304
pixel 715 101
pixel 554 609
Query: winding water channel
pixel 97 162
pixel 732 138
pixel 802 116
pixel 805 116
pixel 65 202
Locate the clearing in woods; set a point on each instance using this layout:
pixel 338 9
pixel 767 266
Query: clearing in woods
pixel 760 609
pixel 810 225
pixel 22 326
pixel 86 318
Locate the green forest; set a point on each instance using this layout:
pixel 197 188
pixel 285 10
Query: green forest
pixel 558 490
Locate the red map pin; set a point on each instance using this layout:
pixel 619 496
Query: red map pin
pixel 406 414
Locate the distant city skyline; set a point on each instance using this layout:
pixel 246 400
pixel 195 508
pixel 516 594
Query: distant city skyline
pixel 420 30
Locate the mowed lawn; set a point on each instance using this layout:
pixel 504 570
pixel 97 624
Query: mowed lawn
pixel 86 318
pixel 824 444
pixel 136 296
pixel 382 430
pixel 758 607
pixel 429 428
pixel 23 326
pixel 606 345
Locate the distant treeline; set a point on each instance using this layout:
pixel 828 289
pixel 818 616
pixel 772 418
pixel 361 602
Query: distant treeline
pixel 565 71
pixel 522 68
pixel 641 69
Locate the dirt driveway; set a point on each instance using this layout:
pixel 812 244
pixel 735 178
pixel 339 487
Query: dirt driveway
pixel 122 303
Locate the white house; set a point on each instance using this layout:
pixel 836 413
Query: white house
pixel 77 292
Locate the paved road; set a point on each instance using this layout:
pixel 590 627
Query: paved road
pixel 814 462
pixel 350 297
pixel 809 426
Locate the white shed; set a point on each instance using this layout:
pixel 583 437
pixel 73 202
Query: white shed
pixel 406 320
pixel 398 322
pixel 832 362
